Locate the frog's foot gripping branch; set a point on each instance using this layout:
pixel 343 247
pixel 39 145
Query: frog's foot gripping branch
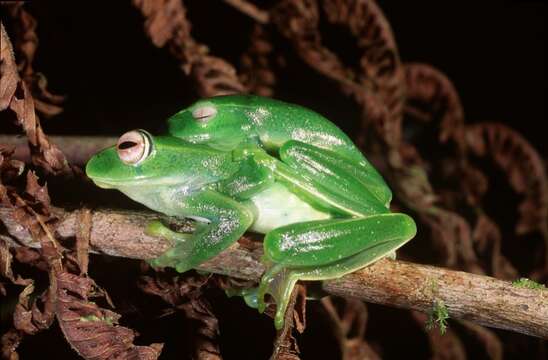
pixel 327 249
pixel 279 281
pixel 180 245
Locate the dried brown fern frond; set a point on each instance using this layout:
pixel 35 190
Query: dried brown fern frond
pixel 256 73
pixel 26 44
pixel 166 23
pixel 378 85
pixel 15 95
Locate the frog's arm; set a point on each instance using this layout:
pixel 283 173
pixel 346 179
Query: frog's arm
pixel 332 248
pixel 250 178
pixel 227 220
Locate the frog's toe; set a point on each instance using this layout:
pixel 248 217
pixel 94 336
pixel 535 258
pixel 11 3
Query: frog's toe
pixel 177 257
pixel 262 290
pixel 279 283
pixel 250 295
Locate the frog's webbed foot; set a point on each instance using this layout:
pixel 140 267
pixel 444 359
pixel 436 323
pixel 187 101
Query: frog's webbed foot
pixel 278 282
pixel 181 246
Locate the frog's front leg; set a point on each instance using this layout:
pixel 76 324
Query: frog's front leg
pixel 327 249
pixel 221 222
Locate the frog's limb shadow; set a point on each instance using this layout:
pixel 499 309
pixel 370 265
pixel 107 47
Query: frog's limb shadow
pixel 372 238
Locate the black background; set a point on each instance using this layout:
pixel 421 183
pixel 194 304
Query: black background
pixel 97 53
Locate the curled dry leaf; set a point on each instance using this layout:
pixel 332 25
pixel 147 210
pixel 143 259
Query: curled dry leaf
pixel 299 22
pixel 451 232
pixel 215 76
pixel 26 44
pixel 93 332
pixel 8 71
pixel 166 23
pixel 185 293
pixel 9 342
pixel 174 290
pixel 348 325
pixel 525 172
pixel 473 183
pixel 5 262
pixel 206 333
pixel 524 168
pixel 28 318
pixel 256 73
pixel 432 96
pixel 487 240
pixel 380 61
pixel 18 99
pixel 33 314
pixel 378 85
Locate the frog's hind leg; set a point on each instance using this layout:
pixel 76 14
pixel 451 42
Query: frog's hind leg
pixel 327 249
pixel 358 181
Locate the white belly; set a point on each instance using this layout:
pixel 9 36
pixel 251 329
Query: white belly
pixel 277 206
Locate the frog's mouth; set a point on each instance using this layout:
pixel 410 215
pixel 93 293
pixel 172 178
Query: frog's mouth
pixel 103 185
pixel 148 182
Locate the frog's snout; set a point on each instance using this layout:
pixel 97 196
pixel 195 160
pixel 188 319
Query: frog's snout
pixel 99 168
pixel 92 172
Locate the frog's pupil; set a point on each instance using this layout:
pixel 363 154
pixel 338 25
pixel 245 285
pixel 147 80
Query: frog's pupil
pixel 127 145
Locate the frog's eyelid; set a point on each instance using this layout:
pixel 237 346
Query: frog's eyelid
pixel 147 140
pixel 204 113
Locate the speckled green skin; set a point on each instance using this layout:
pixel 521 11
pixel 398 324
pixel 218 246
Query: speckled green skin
pixel 263 165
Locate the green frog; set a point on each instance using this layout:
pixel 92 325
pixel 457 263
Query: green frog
pixel 245 163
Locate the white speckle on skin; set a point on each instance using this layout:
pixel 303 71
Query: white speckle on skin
pixel 258 115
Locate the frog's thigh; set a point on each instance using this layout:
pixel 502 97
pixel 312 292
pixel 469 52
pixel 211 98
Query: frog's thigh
pixel 336 172
pixel 327 249
pixel 323 242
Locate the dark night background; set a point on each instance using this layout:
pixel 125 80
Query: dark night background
pixel 96 52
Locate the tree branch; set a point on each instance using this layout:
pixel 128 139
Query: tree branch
pixel 249 9
pixel 78 149
pixel 484 300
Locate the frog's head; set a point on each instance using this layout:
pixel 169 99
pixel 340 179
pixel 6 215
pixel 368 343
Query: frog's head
pixel 221 121
pixel 141 160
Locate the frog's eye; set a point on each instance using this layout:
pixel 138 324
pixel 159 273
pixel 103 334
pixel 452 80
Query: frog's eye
pixel 133 147
pixel 205 113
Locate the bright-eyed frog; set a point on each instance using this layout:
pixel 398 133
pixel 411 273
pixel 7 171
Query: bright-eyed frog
pixel 241 163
